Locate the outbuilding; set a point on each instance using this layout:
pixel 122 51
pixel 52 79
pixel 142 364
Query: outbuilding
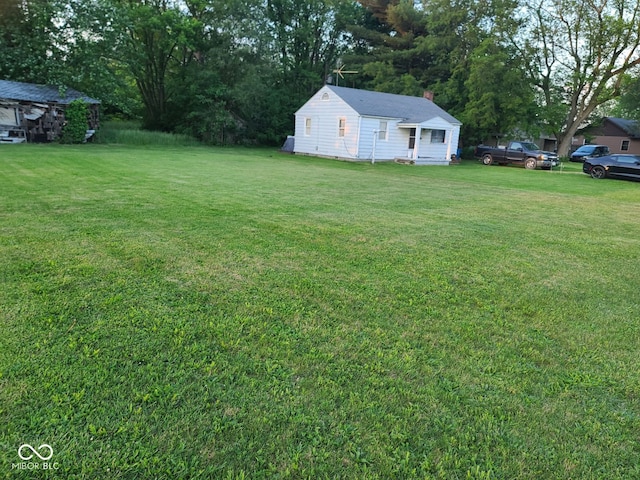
pixel 362 125
pixel 35 113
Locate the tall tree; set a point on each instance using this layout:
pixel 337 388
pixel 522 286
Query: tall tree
pixel 500 99
pixel 580 49
pixel 93 59
pixel 65 43
pixel 628 105
pixel 155 30
pixel 205 66
pixel 478 77
pixel 451 47
pixel 29 41
pixel 307 35
pixel 306 41
pixel 391 47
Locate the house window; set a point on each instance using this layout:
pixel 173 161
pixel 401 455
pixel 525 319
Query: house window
pixel 382 130
pixel 307 126
pixel 437 136
pixel 342 123
pixel 8 116
pixel 625 145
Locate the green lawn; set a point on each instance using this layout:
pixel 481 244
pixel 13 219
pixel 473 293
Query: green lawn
pixel 194 313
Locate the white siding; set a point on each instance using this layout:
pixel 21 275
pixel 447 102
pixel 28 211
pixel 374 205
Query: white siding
pixel 322 136
pixel 394 146
pixel 325 116
pixel 397 143
pixel 437 153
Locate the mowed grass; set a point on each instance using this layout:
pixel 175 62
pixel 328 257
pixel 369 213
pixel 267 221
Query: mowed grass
pixel 194 313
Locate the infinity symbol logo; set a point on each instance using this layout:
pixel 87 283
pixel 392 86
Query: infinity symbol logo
pixel 35 452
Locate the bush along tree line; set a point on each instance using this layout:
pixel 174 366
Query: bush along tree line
pixel 75 127
pixel 235 71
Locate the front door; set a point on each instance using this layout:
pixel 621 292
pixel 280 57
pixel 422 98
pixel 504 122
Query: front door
pixel 412 142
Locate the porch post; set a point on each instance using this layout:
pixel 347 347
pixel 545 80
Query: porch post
pixel 416 147
pixel 450 135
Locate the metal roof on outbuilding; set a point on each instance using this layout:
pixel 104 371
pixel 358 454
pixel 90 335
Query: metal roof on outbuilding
pixel 30 92
pixel 378 104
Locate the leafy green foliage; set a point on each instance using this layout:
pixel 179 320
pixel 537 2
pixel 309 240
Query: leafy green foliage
pixel 628 106
pixel 579 52
pixel 76 122
pixel 500 99
pixel 94 60
pixel 155 32
pixel 453 49
pixel 28 42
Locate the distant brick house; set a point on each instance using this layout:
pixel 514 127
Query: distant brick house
pixel 35 113
pixel 619 134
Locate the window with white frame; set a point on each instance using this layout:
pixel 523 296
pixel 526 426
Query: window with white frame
pixel 342 124
pixel 307 126
pixel 382 130
pixel 437 136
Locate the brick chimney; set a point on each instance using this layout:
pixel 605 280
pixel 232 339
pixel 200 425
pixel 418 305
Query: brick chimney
pixel 428 94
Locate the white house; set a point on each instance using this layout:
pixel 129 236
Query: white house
pixel 361 125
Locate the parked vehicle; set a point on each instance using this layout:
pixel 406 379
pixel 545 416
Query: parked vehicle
pixel 12 135
pixel 519 153
pixel 589 151
pixel 614 166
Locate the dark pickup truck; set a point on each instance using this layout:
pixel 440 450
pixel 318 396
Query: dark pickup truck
pixel 521 153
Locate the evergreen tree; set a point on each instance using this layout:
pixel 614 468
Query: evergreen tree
pixel 453 48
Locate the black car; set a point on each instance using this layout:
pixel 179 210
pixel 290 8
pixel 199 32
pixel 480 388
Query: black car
pixel 614 166
pixel 589 151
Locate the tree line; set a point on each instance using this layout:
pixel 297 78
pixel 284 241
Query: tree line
pixel 235 71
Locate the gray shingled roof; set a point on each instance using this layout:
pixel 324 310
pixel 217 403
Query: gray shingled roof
pixel 378 104
pixel 631 127
pixel 29 92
